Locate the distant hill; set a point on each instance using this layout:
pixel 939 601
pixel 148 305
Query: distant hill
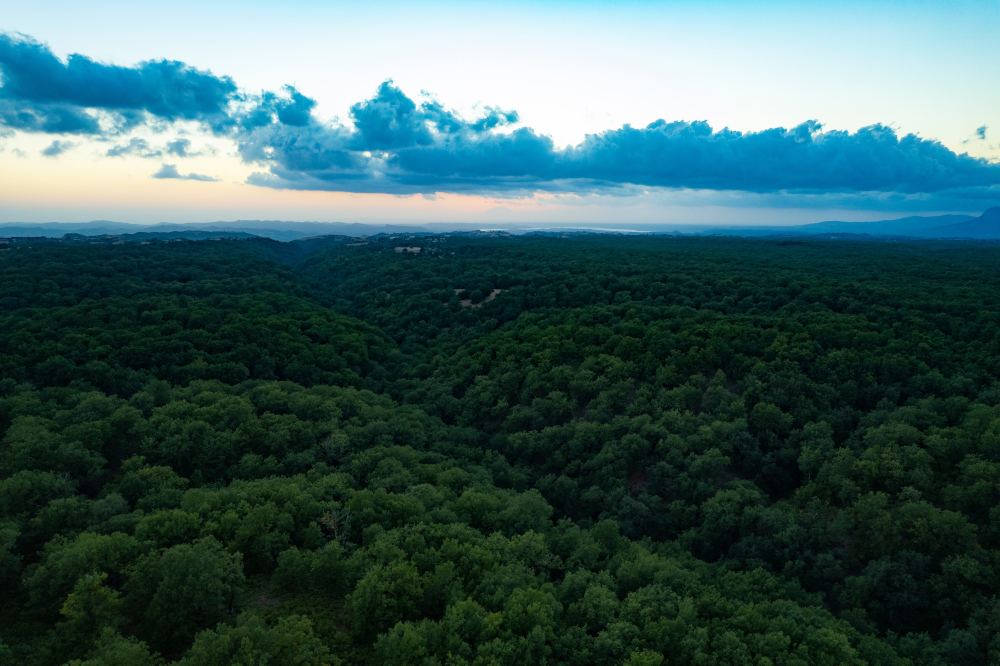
pixel 903 226
pixel 17 235
pixel 311 243
pixel 915 226
pixel 274 229
pixel 57 229
pixel 986 225
pixel 187 234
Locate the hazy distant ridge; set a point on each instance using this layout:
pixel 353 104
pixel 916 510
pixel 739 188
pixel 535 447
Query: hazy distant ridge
pixel 986 226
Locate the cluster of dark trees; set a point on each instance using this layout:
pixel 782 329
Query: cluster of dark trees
pixel 642 451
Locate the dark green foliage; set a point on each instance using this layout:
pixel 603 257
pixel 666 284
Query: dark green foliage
pixel 290 643
pixel 190 312
pixel 113 650
pixel 640 452
pixel 185 588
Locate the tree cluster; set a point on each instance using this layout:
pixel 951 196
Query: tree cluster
pixel 644 452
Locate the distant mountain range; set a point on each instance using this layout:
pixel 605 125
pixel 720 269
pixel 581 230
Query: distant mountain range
pixel 282 231
pixel 986 226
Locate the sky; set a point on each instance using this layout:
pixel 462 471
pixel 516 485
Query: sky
pixel 562 113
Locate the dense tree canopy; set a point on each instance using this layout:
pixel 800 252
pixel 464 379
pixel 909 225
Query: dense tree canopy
pixel 637 451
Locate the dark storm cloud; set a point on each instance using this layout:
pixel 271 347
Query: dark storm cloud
pixel 42 93
pixel 169 172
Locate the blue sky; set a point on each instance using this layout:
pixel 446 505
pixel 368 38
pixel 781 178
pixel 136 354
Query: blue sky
pixel 540 112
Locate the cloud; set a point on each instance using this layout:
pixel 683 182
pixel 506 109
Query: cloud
pixel 57 148
pixel 296 110
pixel 141 148
pixel 396 145
pixel 391 120
pixel 182 148
pixel 135 146
pixel 41 93
pixel 48 118
pixel 981 132
pixel 399 147
pixel 290 108
pixel 169 171
pixel 179 147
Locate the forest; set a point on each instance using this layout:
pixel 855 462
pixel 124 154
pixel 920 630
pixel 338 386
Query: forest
pixel 490 451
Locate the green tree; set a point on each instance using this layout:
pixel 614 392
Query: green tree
pixel 186 588
pixel 114 650
pixel 386 595
pixel 251 642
